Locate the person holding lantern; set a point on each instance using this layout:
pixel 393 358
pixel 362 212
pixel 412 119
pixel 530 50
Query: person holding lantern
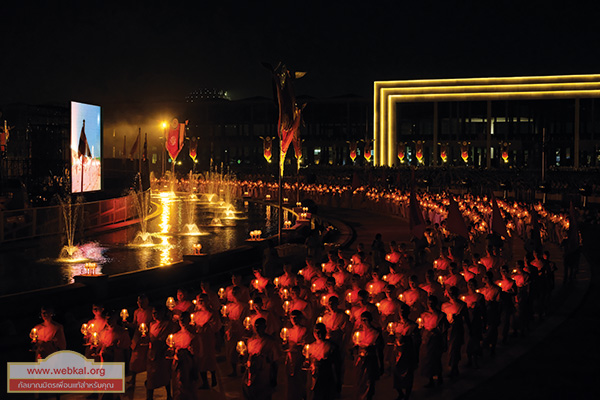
pixel 139 342
pixel 434 335
pixel 183 304
pixel 113 340
pixel 234 314
pixel 492 293
pixel 338 327
pixel 207 324
pixel 406 340
pixel 94 327
pixel 49 336
pixel 457 316
pixel 368 356
pixel 263 354
pixel 158 366
pixel 182 367
pixel 293 340
pixel 476 308
pixel 325 360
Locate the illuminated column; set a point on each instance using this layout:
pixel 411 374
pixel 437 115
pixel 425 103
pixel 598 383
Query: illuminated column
pixel 435 133
pixel 383 126
pixel 488 132
pixel 376 119
pixel 392 137
pixel 576 134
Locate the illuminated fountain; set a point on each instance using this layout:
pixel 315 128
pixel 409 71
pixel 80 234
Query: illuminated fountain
pixel 70 252
pixel 143 238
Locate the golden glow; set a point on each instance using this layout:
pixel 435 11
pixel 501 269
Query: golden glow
pixel 388 93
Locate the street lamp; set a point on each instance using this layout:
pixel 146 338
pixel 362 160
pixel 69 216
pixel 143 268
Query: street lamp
pixel 164 147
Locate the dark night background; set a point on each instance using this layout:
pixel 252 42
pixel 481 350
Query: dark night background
pixel 139 53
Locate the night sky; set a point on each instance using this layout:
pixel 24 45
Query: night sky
pixel 119 55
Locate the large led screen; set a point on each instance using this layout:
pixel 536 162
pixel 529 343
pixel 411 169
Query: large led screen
pixel 86 148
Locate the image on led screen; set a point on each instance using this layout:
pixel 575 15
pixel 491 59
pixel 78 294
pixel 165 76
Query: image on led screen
pixel 86 148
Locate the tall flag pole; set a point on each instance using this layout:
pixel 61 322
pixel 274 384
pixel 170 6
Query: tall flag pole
pixel 83 150
pixel 288 123
pixel 136 145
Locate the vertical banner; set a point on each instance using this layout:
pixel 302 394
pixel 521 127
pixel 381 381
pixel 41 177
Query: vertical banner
pixel 368 150
pixel 464 151
pixel 193 148
pixel 267 148
pixel 86 148
pixel 419 151
pixel 353 151
pixel 175 138
pixel 402 152
pixel 444 152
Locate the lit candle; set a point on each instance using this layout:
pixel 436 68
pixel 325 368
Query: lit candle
pixel 224 310
pixel 241 347
pixel 95 339
pixel 286 306
pixel 276 282
pixel 320 319
pixel 192 322
pixel 284 334
pixel 420 322
pixel 248 323
pixel 348 312
pixel 401 297
pixel 84 329
pixel 124 314
pixel 33 335
pixel 390 328
pixel 306 351
pixel 170 341
pixel 143 329
pixel 170 303
pixel 221 293
pixel 356 338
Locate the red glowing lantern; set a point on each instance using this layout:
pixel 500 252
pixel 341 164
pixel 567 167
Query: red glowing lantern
pixel 505 151
pixel 193 147
pixel 402 152
pixel 353 151
pixel 267 148
pixel 444 153
pixel 419 151
pixel 368 150
pixel 464 151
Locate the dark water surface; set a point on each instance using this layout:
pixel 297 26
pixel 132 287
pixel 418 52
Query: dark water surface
pixel 33 264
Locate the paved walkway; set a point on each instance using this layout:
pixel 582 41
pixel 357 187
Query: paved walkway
pixel 548 340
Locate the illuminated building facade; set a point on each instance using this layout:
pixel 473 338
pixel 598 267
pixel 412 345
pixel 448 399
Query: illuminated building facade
pixel 488 122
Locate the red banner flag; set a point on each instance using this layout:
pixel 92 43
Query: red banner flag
pixel 419 151
pixel 267 148
pixel 84 148
pixel 353 150
pixel 498 226
pixel 401 152
pixel 175 138
pixel 455 221
pixel 368 150
pixel 193 147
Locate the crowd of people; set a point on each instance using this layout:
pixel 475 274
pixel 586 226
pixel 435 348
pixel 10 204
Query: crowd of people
pixel 383 310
